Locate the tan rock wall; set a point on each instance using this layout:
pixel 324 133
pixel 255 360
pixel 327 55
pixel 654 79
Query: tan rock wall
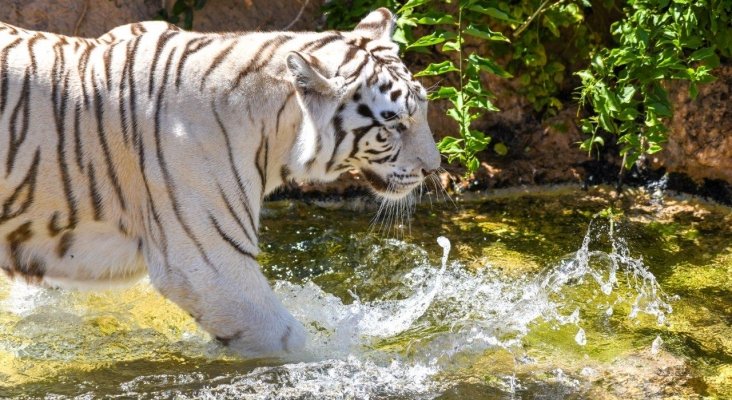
pixel 92 18
pixel 700 137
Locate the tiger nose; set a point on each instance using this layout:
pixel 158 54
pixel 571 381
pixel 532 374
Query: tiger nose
pixel 428 168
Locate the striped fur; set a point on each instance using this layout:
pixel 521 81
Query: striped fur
pixel 150 149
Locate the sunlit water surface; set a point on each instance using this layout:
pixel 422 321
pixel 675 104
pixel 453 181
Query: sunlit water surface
pixel 516 295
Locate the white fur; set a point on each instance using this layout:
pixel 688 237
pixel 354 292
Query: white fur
pixel 183 213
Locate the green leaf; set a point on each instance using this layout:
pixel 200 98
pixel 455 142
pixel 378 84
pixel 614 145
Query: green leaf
pixel 179 7
pixel 438 69
pixel 432 39
pixel 411 4
pixel 500 149
pixel 606 122
pixel 628 114
pixel 659 108
pixel 493 12
pixel 451 46
pixel 484 32
pixel 488 65
pixel 444 92
pixel 454 114
pixel 473 164
pixel 436 19
pixel 627 95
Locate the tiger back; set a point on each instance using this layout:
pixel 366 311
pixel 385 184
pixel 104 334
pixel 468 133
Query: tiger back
pixel 151 149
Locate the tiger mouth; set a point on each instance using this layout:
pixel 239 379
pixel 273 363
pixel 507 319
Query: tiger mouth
pixel 397 186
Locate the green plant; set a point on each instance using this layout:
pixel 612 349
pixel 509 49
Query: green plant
pixel 657 41
pixel 184 8
pixel 458 34
pixel 553 37
pixel 346 14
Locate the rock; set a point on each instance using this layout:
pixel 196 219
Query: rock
pixel 700 135
pixel 97 17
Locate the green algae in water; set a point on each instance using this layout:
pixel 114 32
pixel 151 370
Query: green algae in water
pixel 488 332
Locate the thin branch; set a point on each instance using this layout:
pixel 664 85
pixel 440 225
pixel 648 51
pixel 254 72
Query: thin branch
pixel 81 18
pixel 297 17
pixel 531 18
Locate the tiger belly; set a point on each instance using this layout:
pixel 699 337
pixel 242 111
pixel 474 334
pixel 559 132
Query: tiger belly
pixel 95 255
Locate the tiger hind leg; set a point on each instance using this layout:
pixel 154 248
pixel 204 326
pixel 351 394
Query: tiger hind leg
pixel 93 255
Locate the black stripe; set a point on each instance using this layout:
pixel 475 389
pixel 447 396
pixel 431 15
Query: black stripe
pixel 358 70
pixel 111 172
pixel 235 215
pixel 217 61
pixel 22 111
pixel 350 54
pixel 365 111
pixel 59 98
pixel 107 62
pixel 228 239
pixel 395 156
pixel 395 95
pixel 162 41
pixel 169 183
pixel 81 67
pixel 31 53
pixel 262 57
pixel 122 99
pixel 242 193
pixel 279 112
pixel 4 74
pixel 131 56
pixel 340 134
pixel 96 197
pixel 192 47
pixel 28 185
pixel 319 43
pixel 64 244
pixel 260 168
pixel 77 137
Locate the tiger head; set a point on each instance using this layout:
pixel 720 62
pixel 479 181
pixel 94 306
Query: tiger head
pixel 362 110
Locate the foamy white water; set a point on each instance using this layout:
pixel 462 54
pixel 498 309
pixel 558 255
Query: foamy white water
pixel 357 349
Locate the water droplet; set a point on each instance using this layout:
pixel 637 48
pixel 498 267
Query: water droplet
pixel 580 337
pixel 609 311
pixel 656 345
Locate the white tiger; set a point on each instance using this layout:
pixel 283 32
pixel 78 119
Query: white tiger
pixel 151 149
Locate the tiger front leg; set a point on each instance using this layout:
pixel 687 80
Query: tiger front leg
pixel 230 299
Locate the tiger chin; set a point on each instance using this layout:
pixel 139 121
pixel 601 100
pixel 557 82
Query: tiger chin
pixel 151 149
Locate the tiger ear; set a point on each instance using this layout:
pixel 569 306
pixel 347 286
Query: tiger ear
pixel 378 25
pixel 309 75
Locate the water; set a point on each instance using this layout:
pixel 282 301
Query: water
pixel 530 296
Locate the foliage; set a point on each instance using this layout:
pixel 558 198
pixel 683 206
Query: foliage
pixel 459 37
pixel 458 34
pixel 184 8
pixel 552 38
pixel 658 40
pixel 346 14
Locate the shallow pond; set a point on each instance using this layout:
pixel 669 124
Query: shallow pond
pixel 547 294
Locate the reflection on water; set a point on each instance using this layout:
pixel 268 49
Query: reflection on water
pixel 517 303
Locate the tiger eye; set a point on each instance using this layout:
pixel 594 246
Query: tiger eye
pixel 387 115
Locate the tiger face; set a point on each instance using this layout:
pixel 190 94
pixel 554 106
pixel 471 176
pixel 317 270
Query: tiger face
pixel 377 112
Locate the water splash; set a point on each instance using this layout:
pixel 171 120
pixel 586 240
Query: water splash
pixel 656 345
pixel 398 347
